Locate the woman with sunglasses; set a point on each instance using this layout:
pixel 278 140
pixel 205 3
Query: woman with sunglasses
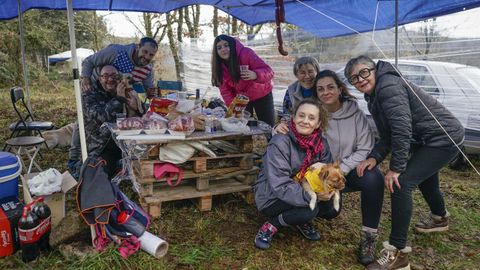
pixel 236 69
pixel 403 114
pixel 351 140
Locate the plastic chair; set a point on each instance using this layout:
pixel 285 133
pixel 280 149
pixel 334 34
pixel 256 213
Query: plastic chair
pixel 26 122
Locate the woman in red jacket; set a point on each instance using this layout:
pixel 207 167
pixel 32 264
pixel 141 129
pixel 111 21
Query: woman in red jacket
pixel 236 69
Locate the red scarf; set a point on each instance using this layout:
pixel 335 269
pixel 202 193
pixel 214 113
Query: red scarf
pixel 312 144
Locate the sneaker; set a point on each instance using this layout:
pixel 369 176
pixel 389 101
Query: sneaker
pixel 392 259
pixel 432 223
pixel 263 239
pixel 366 249
pixel 309 231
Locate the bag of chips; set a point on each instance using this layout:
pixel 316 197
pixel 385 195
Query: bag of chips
pixel 237 106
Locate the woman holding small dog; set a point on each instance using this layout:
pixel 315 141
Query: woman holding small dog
pixel 277 195
pixel 403 114
pixel 351 140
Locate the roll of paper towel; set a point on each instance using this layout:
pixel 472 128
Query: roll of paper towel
pixel 153 245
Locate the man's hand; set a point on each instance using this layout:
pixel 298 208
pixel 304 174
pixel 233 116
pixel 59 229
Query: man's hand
pixel 390 178
pixel 86 84
pixel 133 100
pixel 122 90
pixel 152 92
pixel 281 128
pixel 369 164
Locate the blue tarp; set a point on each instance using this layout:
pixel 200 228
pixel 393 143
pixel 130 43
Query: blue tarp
pixel 324 18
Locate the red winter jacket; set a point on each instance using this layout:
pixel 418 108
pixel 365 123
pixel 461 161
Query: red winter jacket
pixel 254 89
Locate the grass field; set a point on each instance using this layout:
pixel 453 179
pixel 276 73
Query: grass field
pixel 223 237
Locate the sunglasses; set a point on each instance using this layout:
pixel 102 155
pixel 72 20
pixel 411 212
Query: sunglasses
pixel 364 73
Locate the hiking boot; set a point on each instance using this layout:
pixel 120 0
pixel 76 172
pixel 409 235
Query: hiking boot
pixel 392 259
pixel 366 249
pixel 263 239
pixel 432 223
pixel 309 231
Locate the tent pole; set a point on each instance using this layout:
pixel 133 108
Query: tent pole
pixel 78 95
pixel 22 49
pixel 396 33
pixel 76 78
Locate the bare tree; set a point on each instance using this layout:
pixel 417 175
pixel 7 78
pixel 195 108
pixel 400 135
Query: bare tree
pixel 215 22
pixel 171 41
pixel 193 23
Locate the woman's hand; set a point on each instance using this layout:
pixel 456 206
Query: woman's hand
pixel 248 75
pixel 368 164
pixel 390 178
pixel 199 121
pixel 281 128
pixel 317 165
pixel 325 196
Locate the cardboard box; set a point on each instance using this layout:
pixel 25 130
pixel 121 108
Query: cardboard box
pixel 10 212
pixel 55 201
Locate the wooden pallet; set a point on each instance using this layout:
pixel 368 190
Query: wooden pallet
pixel 201 181
pixel 153 204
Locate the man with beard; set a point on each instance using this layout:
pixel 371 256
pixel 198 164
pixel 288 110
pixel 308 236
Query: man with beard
pixel 101 104
pixel 131 58
pixel 134 59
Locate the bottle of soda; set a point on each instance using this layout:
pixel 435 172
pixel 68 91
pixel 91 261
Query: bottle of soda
pixel 43 212
pixel 29 245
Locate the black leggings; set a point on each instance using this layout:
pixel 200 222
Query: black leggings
pixel 281 213
pixel 263 108
pixel 371 187
pixel 422 171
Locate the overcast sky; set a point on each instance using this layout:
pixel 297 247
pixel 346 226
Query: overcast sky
pixel 462 24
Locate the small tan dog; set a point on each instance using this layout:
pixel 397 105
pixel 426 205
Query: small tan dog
pixel 328 177
pixel 61 137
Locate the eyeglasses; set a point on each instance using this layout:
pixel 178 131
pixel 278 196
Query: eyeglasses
pixel 364 73
pixel 113 76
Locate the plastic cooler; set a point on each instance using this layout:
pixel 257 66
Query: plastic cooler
pixel 10 169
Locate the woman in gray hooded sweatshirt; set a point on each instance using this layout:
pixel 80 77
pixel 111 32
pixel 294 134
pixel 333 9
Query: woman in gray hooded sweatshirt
pixel 351 140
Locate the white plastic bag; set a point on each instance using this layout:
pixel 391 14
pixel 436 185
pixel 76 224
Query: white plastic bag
pixel 46 182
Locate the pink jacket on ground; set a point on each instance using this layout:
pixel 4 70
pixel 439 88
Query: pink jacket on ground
pixel 254 89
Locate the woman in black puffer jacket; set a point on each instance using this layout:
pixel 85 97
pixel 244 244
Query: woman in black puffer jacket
pixel 401 118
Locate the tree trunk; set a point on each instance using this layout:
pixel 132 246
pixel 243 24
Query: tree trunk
pixel 180 24
pixel 215 22
pixel 196 20
pixel 173 44
pixel 147 22
pixel 234 26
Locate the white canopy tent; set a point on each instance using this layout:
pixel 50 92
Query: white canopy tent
pixel 82 53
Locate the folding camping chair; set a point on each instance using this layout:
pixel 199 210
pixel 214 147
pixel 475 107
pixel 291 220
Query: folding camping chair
pixel 26 122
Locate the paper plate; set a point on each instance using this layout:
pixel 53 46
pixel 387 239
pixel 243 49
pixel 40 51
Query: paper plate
pixel 155 131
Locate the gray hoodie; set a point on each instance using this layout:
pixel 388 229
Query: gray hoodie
pixel 349 136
